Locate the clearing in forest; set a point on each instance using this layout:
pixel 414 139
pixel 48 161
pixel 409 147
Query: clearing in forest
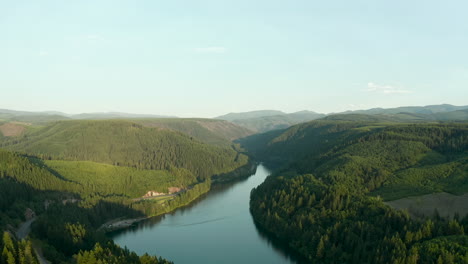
pixel 12 129
pixel 446 204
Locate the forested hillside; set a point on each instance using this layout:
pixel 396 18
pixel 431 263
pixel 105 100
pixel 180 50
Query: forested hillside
pixel 37 118
pixel 66 229
pixel 403 117
pixel 283 146
pixel 79 175
pixel 408 114
pixel 428 109
pixel 326 201
pixel 126 143
pixel 267 120
pixel 211 131
pixel 16 251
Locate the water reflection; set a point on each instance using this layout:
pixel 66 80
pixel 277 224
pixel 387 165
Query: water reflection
pixel 216 190
pixel 216 228
pixel 280 246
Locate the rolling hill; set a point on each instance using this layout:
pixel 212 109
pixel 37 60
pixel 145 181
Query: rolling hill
pixel 251 114
pixel 126 143
pixel 37 118
pixel 429 109
pixel 44 117
pixel 210 131
pixel 267 120
pixel 327 198
pixel 78 175
pixel 403 117
pixel 71 206
pixel 114 115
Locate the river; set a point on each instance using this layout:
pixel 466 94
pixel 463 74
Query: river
pixel 217 228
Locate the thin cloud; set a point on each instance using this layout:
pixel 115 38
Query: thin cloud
pixel 43 53
pixel 386 89
pixel 217 50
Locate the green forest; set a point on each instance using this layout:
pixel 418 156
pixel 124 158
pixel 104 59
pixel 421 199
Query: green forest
pixel 126 143
pixel 327 199
pixel 78 175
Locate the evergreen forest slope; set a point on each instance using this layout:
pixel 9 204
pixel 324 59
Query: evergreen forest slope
pixel 126 143
pixel 428 109
pixel 79 175
pixel 327 199
pixel 403 117
pixel 210 131
pixel 267 120
pixel 67 226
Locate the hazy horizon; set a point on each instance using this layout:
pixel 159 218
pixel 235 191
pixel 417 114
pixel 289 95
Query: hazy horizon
pixel 210 57
pixel 212 116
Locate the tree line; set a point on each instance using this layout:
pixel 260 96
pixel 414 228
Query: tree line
pixel 323 202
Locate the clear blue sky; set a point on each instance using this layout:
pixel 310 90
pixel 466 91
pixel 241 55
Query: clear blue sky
pixel 209 57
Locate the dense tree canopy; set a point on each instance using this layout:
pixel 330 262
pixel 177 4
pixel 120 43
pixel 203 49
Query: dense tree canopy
pixel 126 143
pixel 78 175
pixel 323 202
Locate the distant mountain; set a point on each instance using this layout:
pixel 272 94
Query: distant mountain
pixel 267 120
pixel 211 131
pixel 303 116
pixel 429 109
pixel 454 115
pixel 30 117
pixel 38 118
pixel 56 113
pixel 267 123
pixel 403 117
pixel 115 115
pixel 263 120
pixel 251 114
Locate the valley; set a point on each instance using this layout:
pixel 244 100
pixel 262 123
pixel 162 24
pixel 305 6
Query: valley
pixel 357 189
pixel 78 175
pixel 219 224
pixel 212 132
pixel 327 198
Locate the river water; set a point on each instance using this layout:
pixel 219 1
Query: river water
pixel 217 228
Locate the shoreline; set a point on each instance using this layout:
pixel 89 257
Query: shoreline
pixel 121 223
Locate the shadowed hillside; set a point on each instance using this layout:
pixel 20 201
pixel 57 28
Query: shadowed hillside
pixel 126 143
pixel 267 120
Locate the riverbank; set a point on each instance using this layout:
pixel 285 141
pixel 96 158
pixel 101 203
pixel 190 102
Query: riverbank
pixel 221 218
pixel 185 198
pixel 123 223
pixel 120 223
pixel 240 173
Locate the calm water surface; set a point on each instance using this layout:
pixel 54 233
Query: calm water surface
pixel 217 228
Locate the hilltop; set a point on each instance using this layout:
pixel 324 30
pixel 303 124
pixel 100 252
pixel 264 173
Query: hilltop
pixel 126 143
pixel 428 109
pixel 77 175
pixel 267 120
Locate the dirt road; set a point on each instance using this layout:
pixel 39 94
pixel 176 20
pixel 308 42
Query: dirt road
pixel 24 229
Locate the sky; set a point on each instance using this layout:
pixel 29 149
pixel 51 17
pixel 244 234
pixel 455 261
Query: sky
pixel 205 58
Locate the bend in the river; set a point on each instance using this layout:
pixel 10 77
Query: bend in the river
pixel 217 228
